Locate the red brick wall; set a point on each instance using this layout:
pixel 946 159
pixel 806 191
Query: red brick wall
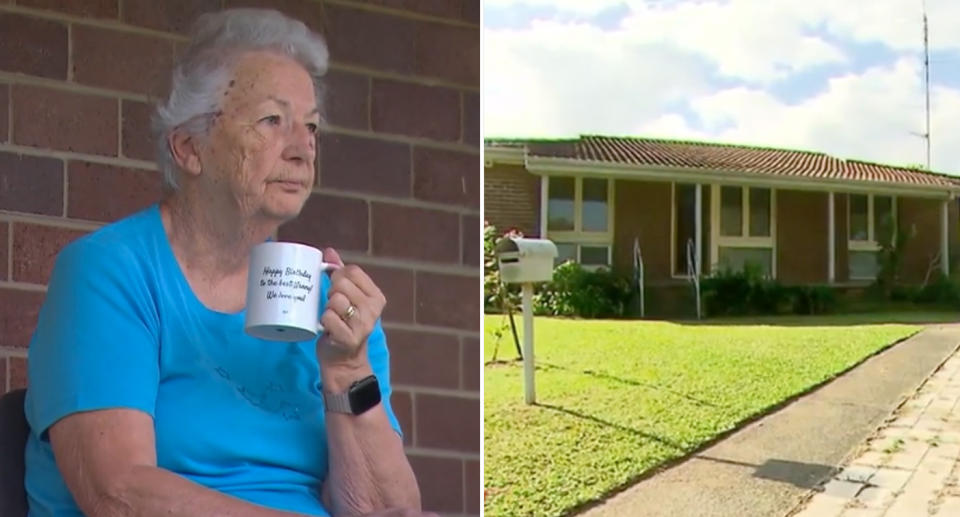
pixel 400 169
pixel 924 216
pixel 511 198
pixel 802 229
pixel 642 210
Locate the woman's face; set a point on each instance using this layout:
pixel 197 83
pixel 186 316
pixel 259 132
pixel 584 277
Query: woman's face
pixel 259 155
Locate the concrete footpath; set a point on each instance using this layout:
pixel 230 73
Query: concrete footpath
pixel 771 466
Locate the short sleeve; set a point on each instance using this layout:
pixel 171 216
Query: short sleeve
pixel 96 344
pixel 379 356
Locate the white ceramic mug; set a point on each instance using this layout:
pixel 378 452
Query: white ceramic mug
pixel 283 291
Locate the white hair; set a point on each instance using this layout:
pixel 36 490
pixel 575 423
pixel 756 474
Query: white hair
pixel 217 40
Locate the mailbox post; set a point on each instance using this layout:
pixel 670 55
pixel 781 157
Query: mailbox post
pixel 526 261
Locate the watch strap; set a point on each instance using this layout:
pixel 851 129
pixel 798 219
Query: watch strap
pixel 338 402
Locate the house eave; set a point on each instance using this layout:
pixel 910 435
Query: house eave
pixel 507 155
pixel 542 165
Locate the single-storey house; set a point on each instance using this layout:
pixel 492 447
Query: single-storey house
pixel 803 217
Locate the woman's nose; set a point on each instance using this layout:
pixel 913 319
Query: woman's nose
pixel 301 145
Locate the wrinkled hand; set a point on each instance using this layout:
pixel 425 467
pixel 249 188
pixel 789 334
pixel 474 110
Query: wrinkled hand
pixel 401 512
pixel 344 340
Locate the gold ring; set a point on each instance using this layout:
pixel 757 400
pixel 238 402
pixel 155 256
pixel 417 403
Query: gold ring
pixel 351 312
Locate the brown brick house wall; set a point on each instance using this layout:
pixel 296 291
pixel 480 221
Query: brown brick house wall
pixel 922 215
pixel 400 166
pixel 511 197
pixel 642 210
pixel 802 229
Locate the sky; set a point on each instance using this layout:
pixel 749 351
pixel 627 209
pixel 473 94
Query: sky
pixel 842 77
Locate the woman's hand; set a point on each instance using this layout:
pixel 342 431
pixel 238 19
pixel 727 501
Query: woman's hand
pixel 354 304
pixel 400 512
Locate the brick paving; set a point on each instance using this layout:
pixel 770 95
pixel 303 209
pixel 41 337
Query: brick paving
pixel 910 467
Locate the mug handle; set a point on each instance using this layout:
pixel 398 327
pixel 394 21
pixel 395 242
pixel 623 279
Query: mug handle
pixel 325 266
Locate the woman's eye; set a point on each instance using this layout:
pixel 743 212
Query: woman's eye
pixel 313 128
pixel 272 120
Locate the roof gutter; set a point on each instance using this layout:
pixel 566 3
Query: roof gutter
pixel 509 155
pixel 545 166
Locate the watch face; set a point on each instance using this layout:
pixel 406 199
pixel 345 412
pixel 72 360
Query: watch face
pixel 364 395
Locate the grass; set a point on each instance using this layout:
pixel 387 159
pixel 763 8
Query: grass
pixel 618 398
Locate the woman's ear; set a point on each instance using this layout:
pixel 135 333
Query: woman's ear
pixel 185 153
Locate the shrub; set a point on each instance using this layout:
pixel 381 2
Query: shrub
pixel 574 291
pixel 730 292
pixel 748 292
pixel 942 290
pixel 814 299
pixel 497 297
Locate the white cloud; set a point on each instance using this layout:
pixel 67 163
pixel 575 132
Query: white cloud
pixel 864 116
pixel 554 79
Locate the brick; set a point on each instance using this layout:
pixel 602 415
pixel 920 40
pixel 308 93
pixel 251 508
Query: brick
pixel 18 316
pixel 4 251
pixel 33 46
pixel 64 121
pixel 397 286
pixel 310 12
pixel 4 112
pixel 169 15
pixel 451 423
pixel 334 221
pixel 18 373
pixel 122 60
pixel 86 8
pixel 471 119
pixel 365 165
pixel 449 52
pixel 441 483
pixel 471 483
pixel 470 232
pixel 415 233
pixel 424 359
pixel 347 101
pixel 441 8
pixel 374 40
pixel 136 140
pixel 35 249
pixel 446 177
pixel 448 300
pixel 471 364
pixel 415 110
pixel 402 404
pixel 31 184
pixel 92 188
pixel 471 11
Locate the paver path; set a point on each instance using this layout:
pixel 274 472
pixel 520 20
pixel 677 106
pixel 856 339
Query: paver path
pixel 910 467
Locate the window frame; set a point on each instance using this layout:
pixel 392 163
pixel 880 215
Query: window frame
pixel 744 240
pixel 871 244
pixel 578 236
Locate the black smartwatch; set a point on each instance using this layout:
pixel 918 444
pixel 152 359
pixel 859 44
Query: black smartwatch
pixel 360 397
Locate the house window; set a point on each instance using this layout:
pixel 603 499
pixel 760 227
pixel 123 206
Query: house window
pixel 871 220
pixel 744 219
pixel 684 225
pixel 579 214
pixel 562 200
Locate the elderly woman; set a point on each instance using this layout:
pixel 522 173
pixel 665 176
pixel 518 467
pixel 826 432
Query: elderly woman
pixel 146 397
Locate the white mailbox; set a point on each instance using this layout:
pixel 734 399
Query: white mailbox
pixel 526 260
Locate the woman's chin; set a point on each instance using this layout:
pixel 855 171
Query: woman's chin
pixel 285 206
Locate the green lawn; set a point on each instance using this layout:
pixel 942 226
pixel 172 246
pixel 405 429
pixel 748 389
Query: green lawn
pixel 618 398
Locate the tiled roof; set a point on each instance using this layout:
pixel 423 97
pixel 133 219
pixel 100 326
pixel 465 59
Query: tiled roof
pixel 711 156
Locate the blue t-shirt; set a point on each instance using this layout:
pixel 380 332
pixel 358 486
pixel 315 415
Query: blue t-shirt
pixel 121 328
